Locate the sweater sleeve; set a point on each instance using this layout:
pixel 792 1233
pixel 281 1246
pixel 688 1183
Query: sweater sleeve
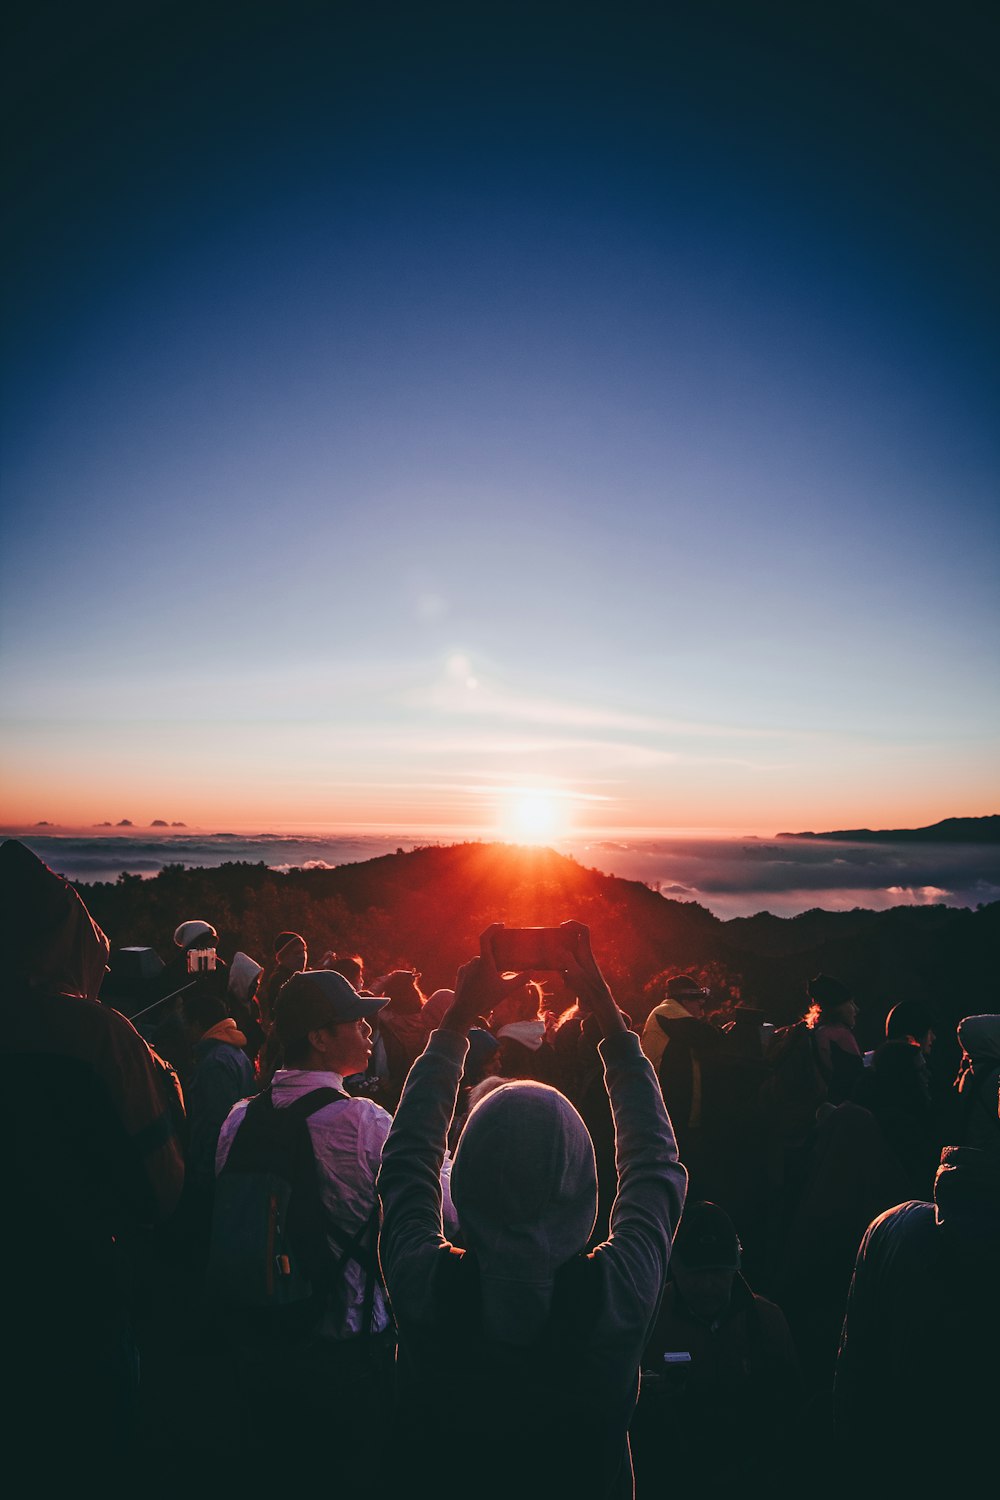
pixel 409 1180
pixel 652 1185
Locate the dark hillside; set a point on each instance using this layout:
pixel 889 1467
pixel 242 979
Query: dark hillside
pixel 426 908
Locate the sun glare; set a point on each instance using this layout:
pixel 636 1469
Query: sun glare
pixel 532 817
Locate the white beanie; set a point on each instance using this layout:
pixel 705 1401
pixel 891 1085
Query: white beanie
pixel 189 933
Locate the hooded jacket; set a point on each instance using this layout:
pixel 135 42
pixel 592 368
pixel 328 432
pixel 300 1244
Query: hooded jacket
pixel 923 1323
pixel 525 1191
pixel 978 1081
pixel 89 1120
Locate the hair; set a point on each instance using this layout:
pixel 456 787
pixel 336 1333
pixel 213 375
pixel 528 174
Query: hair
pixel 522 1004
pixel 350 965
pixel 295 1054
pixel 908 1018
pixel 287 937
pixel 203 1011
pixel 403 992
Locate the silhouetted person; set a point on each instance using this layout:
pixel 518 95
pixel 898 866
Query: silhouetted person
pixel 915 1397
pixel 978 1081
pixel 719 1370
pixel 683 1047
pixel 291 956
pixel 832 1016
pixel 521 1334
pixel 93 1158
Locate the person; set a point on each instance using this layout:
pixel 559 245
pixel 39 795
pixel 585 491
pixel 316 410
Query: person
pixel 520 1028
pixel 402 1030
pixel 324 1028
pixel 519 1332
pixel 911 1021
pixel 832 1017
pixel 291 956
pixel 221 1075
pixel 978 1081
pixel 721 1360
pixel 684 1048
pixel 351 965
pixel 90 1118
pixel 920 1330
pixel 195 968
pixel 241 1001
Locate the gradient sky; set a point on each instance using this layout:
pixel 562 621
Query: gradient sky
pixel 405 404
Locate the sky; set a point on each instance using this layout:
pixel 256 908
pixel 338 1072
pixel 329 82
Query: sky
pixel 519 419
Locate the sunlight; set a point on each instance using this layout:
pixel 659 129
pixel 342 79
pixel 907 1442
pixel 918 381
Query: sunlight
pixel 532 817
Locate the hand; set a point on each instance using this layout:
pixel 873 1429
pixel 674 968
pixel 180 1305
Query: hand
pixel 585 980
pixel 479 988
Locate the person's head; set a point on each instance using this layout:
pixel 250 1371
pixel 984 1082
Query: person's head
pixel 323 1024
pixel 351 965
pixel 483 1058
pixel 201 1012
pixel 832 1002
pixel 402 991
pixel 705 1259
pixel 979 1037
pixel 910 1021
pixel 522 1004
pixel 687 992
pixel 244 978
pixel 291 952
pixel 195 934
pixel 524 1186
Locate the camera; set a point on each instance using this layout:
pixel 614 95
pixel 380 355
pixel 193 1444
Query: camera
pixel 517 948
pixel 201 960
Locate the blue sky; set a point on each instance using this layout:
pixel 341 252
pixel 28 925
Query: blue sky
pixel 406 409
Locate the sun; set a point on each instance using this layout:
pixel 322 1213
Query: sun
pixel 531 817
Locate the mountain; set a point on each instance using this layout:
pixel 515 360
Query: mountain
pixel 948 831
pixel 425 909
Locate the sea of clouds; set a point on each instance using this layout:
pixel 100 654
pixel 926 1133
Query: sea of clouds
pixel 733 877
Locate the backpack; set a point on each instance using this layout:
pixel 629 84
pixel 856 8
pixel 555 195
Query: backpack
pixel 270 1268
pixel 796 1083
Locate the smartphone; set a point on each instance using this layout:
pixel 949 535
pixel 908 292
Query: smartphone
pixel 516 948
pixel 201 960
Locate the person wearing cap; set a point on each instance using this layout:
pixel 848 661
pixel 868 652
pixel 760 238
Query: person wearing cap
pixel 684 1048
pixel 291 956
pixel 323 1027
pixel 720 1366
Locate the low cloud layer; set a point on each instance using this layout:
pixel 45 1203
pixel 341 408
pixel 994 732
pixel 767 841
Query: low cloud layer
pixel 732 877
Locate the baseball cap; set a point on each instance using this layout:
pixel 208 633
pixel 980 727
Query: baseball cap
pixel 683 987
pixel 317 998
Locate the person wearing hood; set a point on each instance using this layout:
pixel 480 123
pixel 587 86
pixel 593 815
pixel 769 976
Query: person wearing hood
pixel 241 1000
pixel 920 1335
pixel 978 1081
pixel 94 1160
pixel 520 1330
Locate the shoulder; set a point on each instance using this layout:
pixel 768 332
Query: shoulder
pixel 368 1120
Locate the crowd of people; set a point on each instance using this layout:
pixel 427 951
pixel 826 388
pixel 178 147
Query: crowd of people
pixel 540 1250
